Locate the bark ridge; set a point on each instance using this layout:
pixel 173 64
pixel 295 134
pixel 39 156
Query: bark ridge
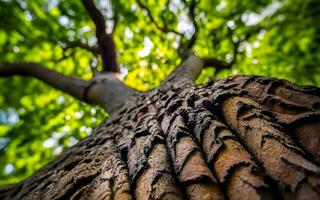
pixel 244 137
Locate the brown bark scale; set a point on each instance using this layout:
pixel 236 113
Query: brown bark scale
pixel 243 137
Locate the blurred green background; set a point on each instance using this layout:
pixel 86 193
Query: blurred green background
pixel 37 122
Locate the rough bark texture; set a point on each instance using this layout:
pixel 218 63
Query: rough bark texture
pixel 236 138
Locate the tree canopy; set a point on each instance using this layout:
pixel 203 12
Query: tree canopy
pixel 262 37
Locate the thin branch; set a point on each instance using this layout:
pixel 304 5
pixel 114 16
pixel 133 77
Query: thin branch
pixel 219 64
pixel 68 45
pixel 192 16
pixel 164 28
pixel 185 48
pixel 235 52
pixel 65 55
pixel 236 44
pixel 78 44
pixel 115 19
pixel 105 40
pixel 115 23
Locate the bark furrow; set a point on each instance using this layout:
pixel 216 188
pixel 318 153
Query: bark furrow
pixel 236 138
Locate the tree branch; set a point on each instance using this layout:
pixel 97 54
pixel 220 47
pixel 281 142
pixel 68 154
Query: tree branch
pixel 105 41
pixel 191 67
pixel 188 71
pixel 73 86
pixel 236 45
pixel 219 64
pixel 216 63
pixel 184 49
pixel 77 44
pixel 65 55
pixel 164 28
pixel 115 23
pixel 104 90
pixel 192 16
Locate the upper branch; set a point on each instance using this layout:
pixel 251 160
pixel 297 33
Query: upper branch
pixel 185 48
pixel 105 40
pixel 164 28
pixel 192 16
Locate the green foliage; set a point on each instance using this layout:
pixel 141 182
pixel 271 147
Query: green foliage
pixel 38 122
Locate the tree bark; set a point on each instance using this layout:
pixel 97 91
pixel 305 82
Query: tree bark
pixel 243 137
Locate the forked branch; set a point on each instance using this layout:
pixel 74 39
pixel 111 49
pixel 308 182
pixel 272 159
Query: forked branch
pixel 165 28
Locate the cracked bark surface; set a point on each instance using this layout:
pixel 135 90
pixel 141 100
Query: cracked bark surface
pixel 244 137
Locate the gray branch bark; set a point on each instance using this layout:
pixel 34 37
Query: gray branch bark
pixel 188 71
pixel 104 90
pixel 73 86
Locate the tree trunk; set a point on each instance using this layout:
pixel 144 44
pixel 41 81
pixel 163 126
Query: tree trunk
pixel 236 138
